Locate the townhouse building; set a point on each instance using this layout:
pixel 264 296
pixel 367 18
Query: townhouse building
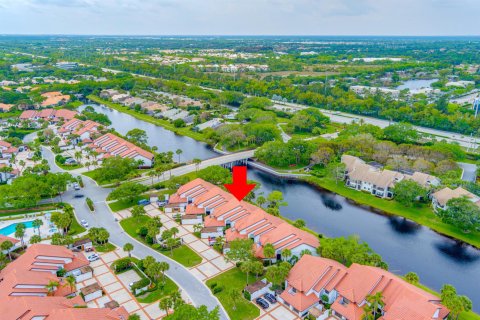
pixel 85 130
pixel 110 145
pixel 24 284
pixel 380 182
pixel 225 216
pixel 441 197
pixel 314 283
pixel 50 115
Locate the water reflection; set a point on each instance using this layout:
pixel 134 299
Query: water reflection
pixel 330 202
pixel 404 226
pixel 458 251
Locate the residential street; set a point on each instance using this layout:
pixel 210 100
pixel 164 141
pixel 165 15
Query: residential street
pixel 102 217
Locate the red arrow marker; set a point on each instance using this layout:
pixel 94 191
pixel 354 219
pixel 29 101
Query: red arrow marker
pixel 239 188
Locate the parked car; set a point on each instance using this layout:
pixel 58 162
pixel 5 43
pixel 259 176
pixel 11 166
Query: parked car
pixel 76 186
pixel 270 298
pixel 262 303
pixel 93 257
pixel 84 223
pixel 161 203
pixel 143 202
pixel 78 195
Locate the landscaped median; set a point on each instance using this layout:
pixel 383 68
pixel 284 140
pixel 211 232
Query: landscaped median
pixel 423 215
pixel 181 253
pixel 145 117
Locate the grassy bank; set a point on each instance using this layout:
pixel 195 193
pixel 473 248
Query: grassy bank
pixel 145 117
pixel 182 254
pixel 423 215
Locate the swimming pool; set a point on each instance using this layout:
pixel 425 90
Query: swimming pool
pixel 10 229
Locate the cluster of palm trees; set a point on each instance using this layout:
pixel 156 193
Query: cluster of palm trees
pixel 70 282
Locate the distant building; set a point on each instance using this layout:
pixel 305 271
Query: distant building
pixel 441 197
pixel 66 65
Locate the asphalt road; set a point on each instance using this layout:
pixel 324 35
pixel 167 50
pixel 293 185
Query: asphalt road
pixel 469 171
pixel 195 289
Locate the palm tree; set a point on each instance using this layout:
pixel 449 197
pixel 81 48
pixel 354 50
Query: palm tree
pixel 261 201
pixel 151 174
pixel 20 232
pixel 51 287
pixel 165 304
pixel 374 304
pixel 163 266
pixel 174 231
pixel 78 156
pixel 247 267
pixel 71 283
pixel 171 242
pixel 286 253
pixel 37 223
pixel 257 268
pixel 21 163
pixel 128 247
pixel 179 152
pixel 197 163
pixel 6 246
pixel 269 252
pixel 234 295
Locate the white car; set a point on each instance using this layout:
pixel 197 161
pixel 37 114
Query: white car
pixel 93 257
pixel 84 223
pixel 76 186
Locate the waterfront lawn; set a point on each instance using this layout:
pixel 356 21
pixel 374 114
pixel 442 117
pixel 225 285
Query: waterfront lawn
pixel 423 215
pixel 237 280
pixel 145 117
pixel 182 254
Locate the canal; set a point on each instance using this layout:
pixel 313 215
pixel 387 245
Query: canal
pixel 165 140
pixel 404 245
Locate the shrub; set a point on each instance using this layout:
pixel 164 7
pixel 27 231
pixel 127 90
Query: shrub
pixel 122 264
pixel 156 246
pixel 217 289
pixel 142 231
pixel 247 295
pixel 213 285
pixel 60 159
pixel 140 284
pixel 61 272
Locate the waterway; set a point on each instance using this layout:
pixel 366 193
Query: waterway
pixel 404 245
pixel 416 84
pixel 165 140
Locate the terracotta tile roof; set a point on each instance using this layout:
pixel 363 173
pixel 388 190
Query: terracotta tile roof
pixel 5 107
pixel 5 238
pixel 117 146
pixel 57 307
pixel 53 98
pixel 299 300
pixel 48 114
pixel 5 144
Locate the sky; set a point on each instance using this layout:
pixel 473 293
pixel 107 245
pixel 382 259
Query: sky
pixel 241 17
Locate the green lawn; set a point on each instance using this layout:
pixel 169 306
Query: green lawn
pixel 160 291
pixel 423 215
pixel 75 228
pixel 41 207
pixel 145 117
pixel 237 280
pixel 183 254
pixel 107 247
pixel 124 204
pixel 68 167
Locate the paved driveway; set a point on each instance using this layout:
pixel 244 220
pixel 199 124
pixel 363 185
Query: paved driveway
pixel 469 171
pixel 196 290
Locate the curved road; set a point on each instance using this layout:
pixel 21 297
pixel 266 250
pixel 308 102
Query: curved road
pixel 195 289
